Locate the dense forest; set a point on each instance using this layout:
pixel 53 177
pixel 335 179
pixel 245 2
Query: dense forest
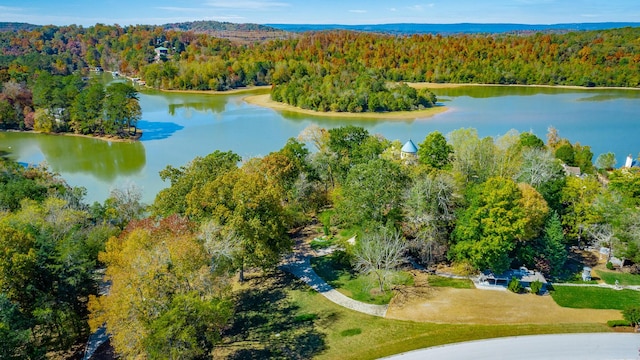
pixel 478 203
pixel 203 62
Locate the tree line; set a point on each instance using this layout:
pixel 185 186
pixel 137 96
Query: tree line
pixel 203 62
pixel 70 103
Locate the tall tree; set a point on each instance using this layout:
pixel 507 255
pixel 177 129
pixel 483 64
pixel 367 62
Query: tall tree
pixel 487 231
pixel 435 151
pixel 164 299
pixel 372 192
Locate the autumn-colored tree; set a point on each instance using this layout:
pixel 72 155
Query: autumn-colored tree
pixel 164 298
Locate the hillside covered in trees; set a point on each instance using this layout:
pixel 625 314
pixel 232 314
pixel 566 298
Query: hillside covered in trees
pixel 203 62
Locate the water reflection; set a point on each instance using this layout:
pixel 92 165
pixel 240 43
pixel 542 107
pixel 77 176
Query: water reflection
pixel 215 107
pixel 103 160
pixel 515 90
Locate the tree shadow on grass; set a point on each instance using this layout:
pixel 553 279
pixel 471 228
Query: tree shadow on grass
pixel 268 324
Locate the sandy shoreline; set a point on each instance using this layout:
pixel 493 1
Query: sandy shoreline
pixel 264 100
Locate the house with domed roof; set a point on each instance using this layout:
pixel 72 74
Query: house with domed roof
pixel 409 151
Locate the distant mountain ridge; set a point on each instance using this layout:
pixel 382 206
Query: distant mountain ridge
pixel 464 28
pixel 14 26
pixel 208 26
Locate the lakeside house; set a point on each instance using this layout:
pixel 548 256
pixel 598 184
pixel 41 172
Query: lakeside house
pixel 161 52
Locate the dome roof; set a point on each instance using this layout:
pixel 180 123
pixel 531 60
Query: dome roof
pixel 410 147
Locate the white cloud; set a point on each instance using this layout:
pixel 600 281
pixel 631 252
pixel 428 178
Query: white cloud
pixel 178 9
pixel 393 9
pixel 246 4
pixel 358 11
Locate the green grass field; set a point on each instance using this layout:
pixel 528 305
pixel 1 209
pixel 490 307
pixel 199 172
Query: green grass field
pixel 610 277
pixel 595 297
pixel 441 281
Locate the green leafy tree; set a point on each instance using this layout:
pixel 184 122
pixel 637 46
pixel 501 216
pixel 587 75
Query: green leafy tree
pixel 247 203
pixel 487 231
pixel 531 141
pixel 606 161
pixel 372 192
pixel 474 158
pixel 122 109
pixel 435 151
pixel 554 251
pixel 578 196
pixel 191 179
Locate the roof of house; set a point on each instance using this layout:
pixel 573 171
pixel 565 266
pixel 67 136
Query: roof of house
pixel 410 147
pixel 161 48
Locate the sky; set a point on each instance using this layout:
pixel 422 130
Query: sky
pixel 348 12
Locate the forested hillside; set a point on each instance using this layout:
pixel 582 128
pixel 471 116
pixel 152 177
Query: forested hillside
pixel 200 61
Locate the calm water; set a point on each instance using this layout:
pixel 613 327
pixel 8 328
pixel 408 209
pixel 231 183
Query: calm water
pixel 179 127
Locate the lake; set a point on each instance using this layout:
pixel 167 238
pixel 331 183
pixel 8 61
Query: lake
pixel 178 127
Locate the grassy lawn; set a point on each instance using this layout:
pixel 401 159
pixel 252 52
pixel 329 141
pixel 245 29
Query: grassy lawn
pixel 610 277
pixel 278 317
pixel 441 281
pixel 595 297
pixel 340 276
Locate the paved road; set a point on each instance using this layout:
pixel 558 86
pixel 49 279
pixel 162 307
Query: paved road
pixel 598 346
pixel 299 265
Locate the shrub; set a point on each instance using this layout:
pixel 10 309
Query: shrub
pixel 536 287
pixel 632 315
pixel 609 265
pixel 351 332
pixel 515 286
pixel 305 317
pixel 617 323
pixel 325 229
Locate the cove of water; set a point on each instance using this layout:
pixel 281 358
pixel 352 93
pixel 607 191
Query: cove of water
pixel 178 127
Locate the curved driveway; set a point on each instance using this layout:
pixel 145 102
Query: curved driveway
pixel 598 346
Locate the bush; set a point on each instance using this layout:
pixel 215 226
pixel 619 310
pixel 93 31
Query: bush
pixel 609 265
pixel 305 317
pixel 536 287
pixel 618 323
pixel 515 286
pixel 632 315
pixel 351 332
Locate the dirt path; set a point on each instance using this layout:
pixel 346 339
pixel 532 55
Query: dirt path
pixel 473 306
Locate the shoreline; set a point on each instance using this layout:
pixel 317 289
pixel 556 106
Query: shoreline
pixel 102 138
pixel 428 85
pixel 216 92
pixel 264 100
